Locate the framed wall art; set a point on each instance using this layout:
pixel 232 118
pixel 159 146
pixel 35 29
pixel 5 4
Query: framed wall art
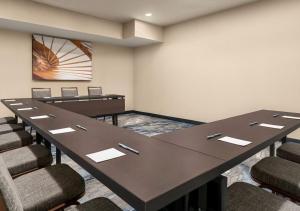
pixel 56 58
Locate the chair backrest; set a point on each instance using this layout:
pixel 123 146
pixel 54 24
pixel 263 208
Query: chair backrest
pixel 40 92
pixel 69 91
pixel 9 198
pixel 95 91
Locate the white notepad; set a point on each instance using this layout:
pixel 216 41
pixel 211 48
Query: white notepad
pixel 10 100
pixel 24 109
pixel 62 130
pixel 291 117
pixel 236 141
pixel 15 104
pixel 271 126
pixel 104 155
pixel 40 117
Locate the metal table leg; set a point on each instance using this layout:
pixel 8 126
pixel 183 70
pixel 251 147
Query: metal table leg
pixel 58 156
pixel 115 119
pixel 272 150
pixel 217 194
pixel 24 125
pixel 47 144
pixel 283 140
pixel 209 197
pixel 186 202
pixel 198 199
pixel 39 138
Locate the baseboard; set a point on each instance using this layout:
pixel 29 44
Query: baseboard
pixel 128 112
pixel 165 117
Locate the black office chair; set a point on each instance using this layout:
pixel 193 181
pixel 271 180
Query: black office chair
pixel 49 188
pixel 289 151
pixel 40 92
pixel 26 159
pixel 69 91
pixel 279 175
pixel 14 140
pixel 243 196
pixel 8 120
pixel 94 91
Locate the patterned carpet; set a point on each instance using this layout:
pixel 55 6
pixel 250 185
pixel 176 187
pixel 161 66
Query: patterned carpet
pixel 151 126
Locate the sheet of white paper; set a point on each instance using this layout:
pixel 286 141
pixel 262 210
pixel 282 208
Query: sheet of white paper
pixel 46 97
pixel 24 109
pixel 10 100
pixel 40 117
pixel 290 117
pixel 62 130
pixel 236 141
pixel 16 104
pixel 271 126
pixel 104 155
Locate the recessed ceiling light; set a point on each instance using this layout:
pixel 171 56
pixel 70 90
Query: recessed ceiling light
pixel 148 14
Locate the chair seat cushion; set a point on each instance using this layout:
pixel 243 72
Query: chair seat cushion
pixel 246 197
pixel 49 187
pixel 9 197
pixel 25 159
pixel 97 204
pixel 7 128
pixel 15 140
pixel 289 151
pixel 7 120
pixel 278 174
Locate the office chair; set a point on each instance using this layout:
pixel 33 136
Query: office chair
pixel 49 188
pixel 40 92
pixel 69 91
pixel 94 91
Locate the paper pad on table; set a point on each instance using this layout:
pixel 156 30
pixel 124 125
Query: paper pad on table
pixel 236 141
pixel 14 104
pixel 62 130
pixel 271 126
pixel 24 109
pixel 291 117
pixel 40 117
pixel 104 155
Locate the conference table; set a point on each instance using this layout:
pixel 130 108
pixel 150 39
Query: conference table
pixel 180 170
pixel 92 106
pixel 195 138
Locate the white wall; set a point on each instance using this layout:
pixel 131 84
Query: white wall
pixel 112 69
pixel 225 64
pixel 208 68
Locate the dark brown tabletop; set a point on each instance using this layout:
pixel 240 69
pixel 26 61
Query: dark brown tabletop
pixel 169 165
pixel 92 106
pixel 83 97
pixel 160 174
pixel 195 138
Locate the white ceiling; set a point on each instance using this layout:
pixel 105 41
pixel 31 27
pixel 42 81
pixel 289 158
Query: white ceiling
pixel 165 12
